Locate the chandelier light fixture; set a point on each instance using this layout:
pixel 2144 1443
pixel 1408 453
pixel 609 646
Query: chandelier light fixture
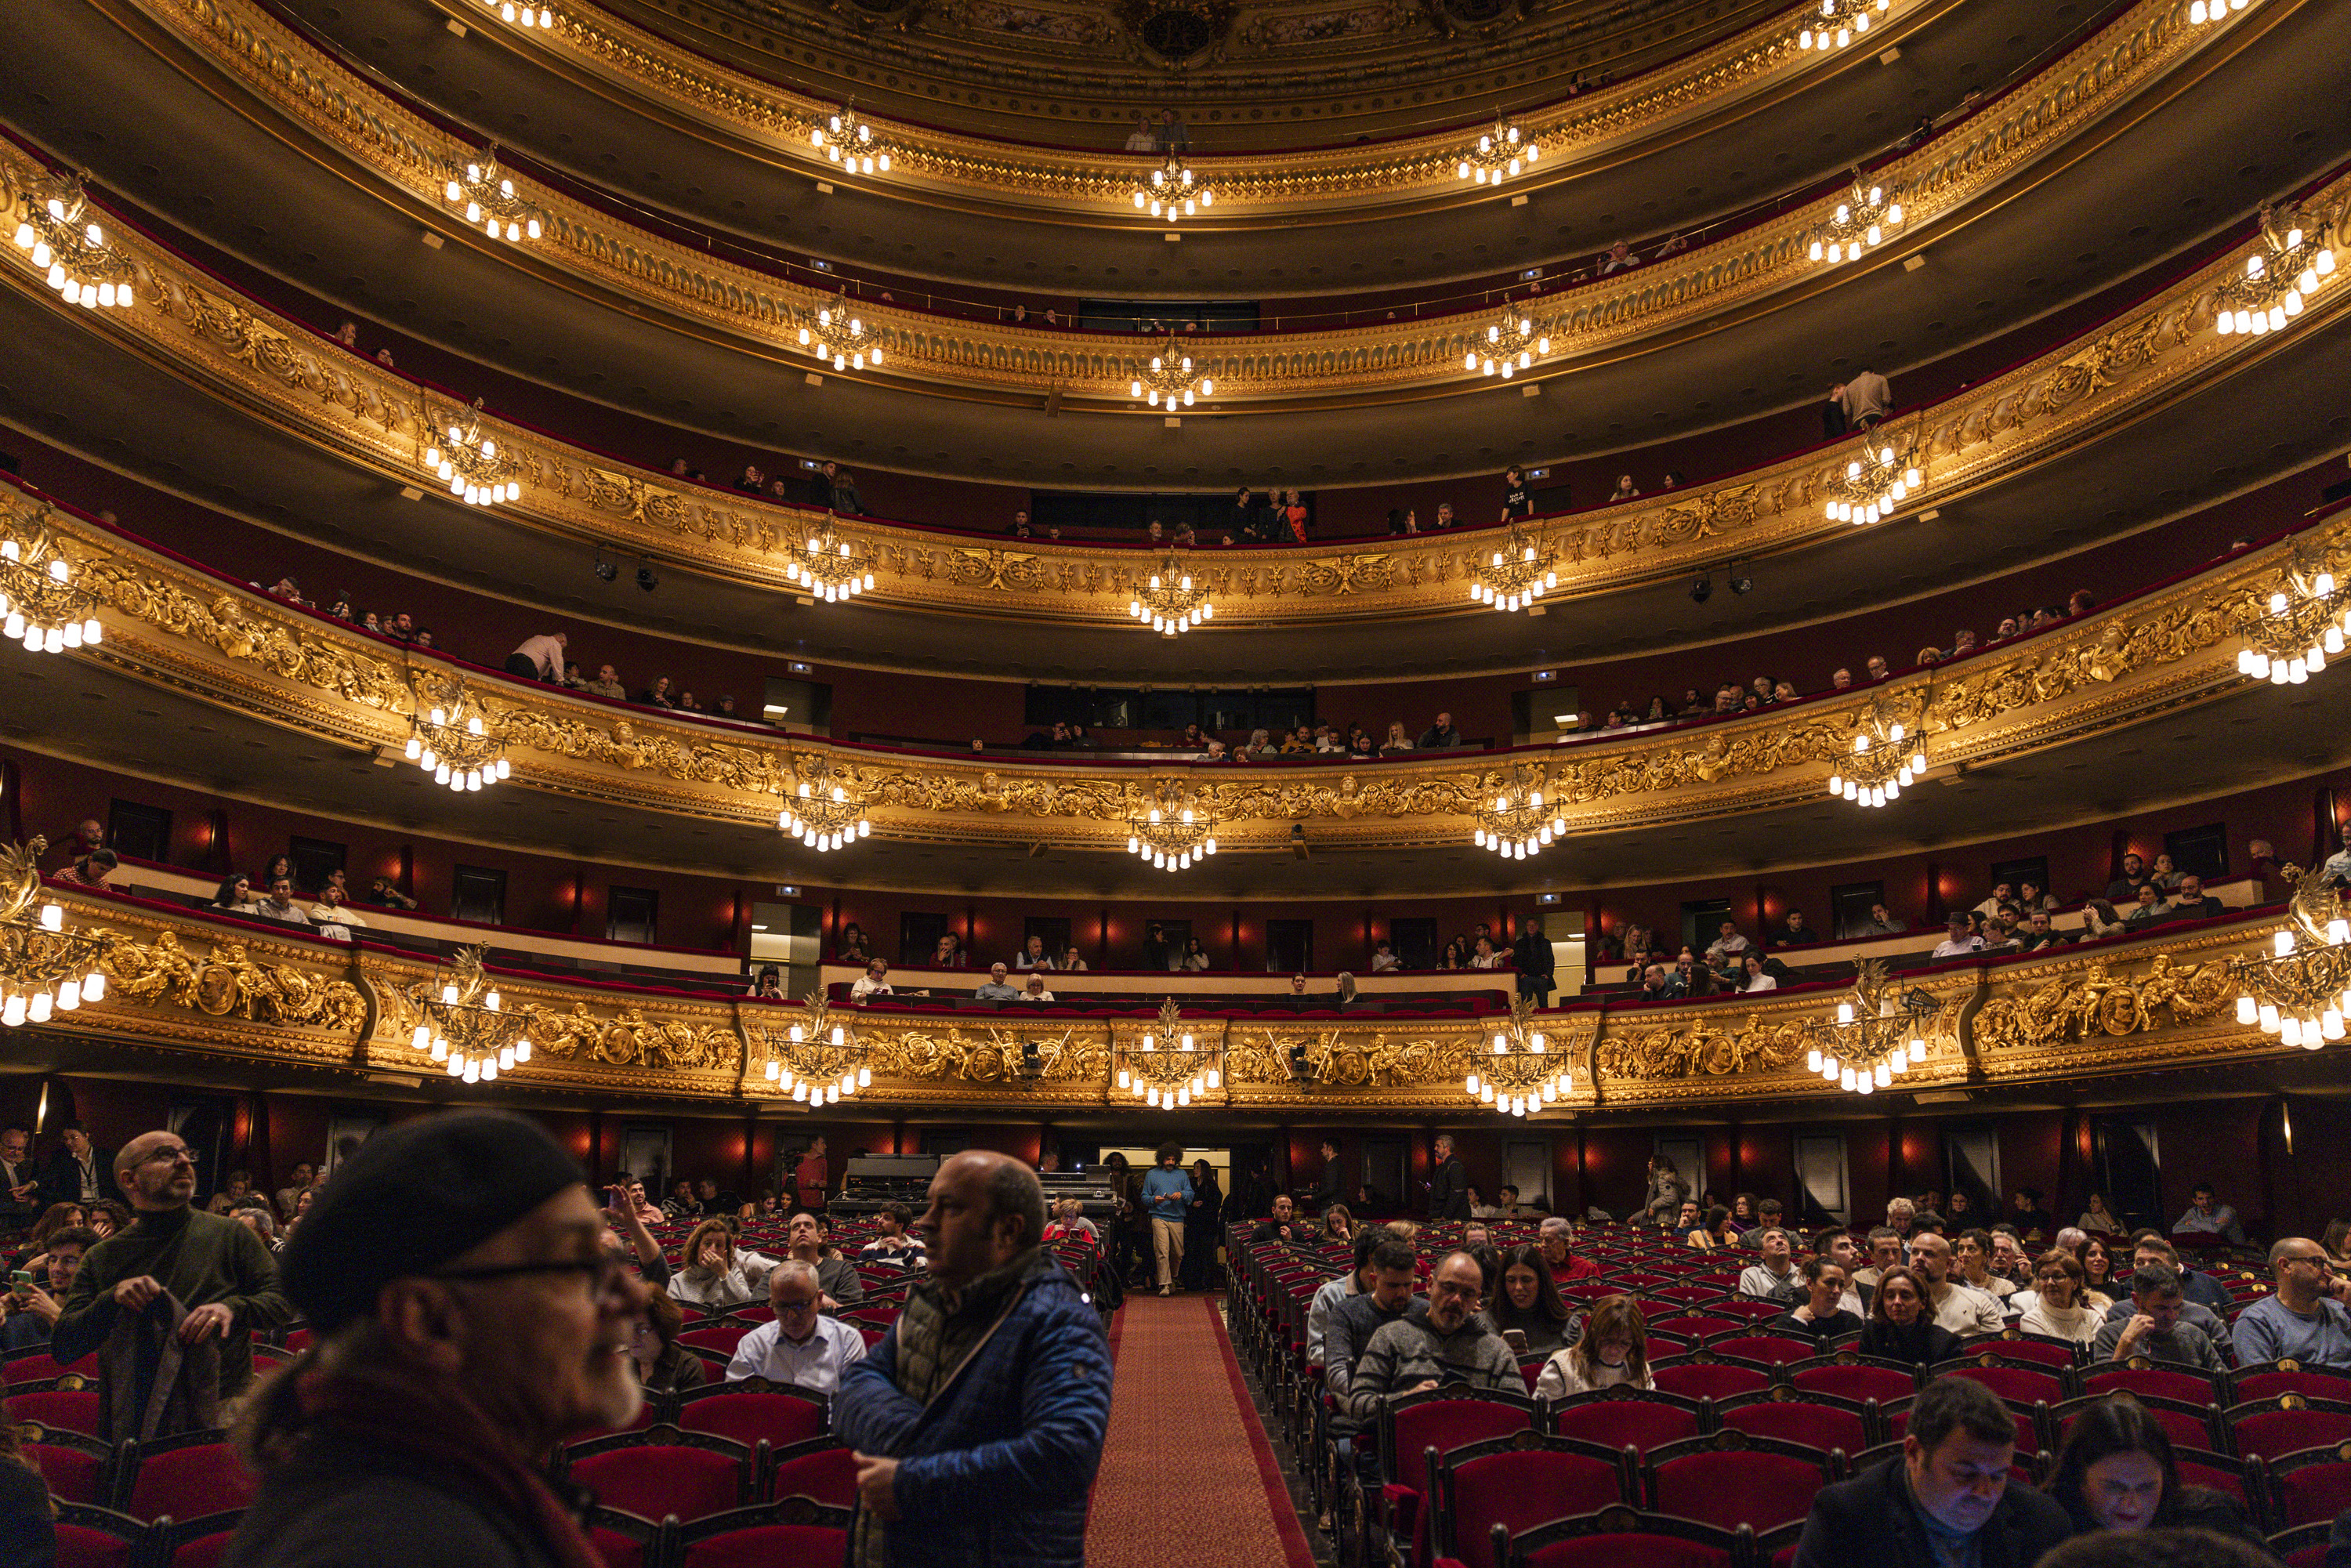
pixel 1861 223
pixel 1876 482
pixel 848 140
pixel 451 742
pixel 1521 1074
pixel 1875 1034
pixel 466 1028
pixel 522 16
pixel 1500 155
pixel 1515 575
pixel 840 336
pixel 1171 601
pixel 45 609
pixel 2202 11
pixel 70 249
pixel 828 566
pixel 1511 345
pixel 45 968
pixel 1838 22
pixel 1171 829
pixel 1173 191
pixel 2293 264
pixel 1516 823
pixel 824 813
pixel 485 193
pixel 818 1060
pixel 1167 1068
pixel 2300 990
pixel 1170 377
pixel 2298 630
pixel 470 463
pixel 1886 759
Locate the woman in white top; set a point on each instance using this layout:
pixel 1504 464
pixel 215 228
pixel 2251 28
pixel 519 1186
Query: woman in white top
pixel 1757 980
pixel 1195 956
pixel 2057 1310
pixel 715 1274
pixel 1973 1252
pixel 1612 1349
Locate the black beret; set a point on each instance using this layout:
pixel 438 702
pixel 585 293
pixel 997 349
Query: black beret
pixel 411 1198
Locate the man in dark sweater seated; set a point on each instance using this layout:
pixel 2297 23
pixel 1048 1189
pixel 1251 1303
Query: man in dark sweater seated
pixel 1946 1499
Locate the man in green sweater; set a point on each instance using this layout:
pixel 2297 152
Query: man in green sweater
pixel 218 1270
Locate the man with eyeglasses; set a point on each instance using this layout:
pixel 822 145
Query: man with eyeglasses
pixel 467 1321
pixel 211 1275
pixel 2306 1321
pixel 802 1346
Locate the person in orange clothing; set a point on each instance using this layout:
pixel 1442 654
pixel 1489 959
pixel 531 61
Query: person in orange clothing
pixel 811 1176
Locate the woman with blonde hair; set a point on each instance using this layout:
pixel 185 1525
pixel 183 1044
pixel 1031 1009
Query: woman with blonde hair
pixel 1338 1224
pixel 1613 1351
pixel 714 1273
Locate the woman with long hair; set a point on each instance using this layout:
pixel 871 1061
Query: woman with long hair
pixel 2099 1220
pixel 1203 1227
pixel 663 1363
pixel 1900 1327
pixel 1339 1225
pixel 1612 1350
pixel 1529 1303
pixel 2099 1287
pixel 1195 956
pixel 54 1218
pixel 1456 956
pixel 2116 1472
pixel 715 1274
pixel 2336 1243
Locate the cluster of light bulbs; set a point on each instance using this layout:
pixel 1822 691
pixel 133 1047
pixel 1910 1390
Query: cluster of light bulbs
pixel 471 491
pixel 1845 241
pixel 832 584
pixel 1519 1102
pixel 41 1003
pixel 1865 1078
pixel 2202 11
pixel 1506 360
pixel 39 636
pixel 792 821
pixel 1502 152
pixel 523 16
pixel 1174 193
pixel 1158 619
pixel 841 338
pixel 1519 845
pixel 1169 386
pixel 2253 322
pixel 1158 856
pixel 1181 1095
pixel 2297 668
pixel 69 283
pixel 862 155
pixel 812 1094
pixel 507 228
pixel 1835 31
pixel 2310 1030
pixel 482 1067
pixel 1517 598
pixel 1889 496
pixel 1879 794
pixel 443 773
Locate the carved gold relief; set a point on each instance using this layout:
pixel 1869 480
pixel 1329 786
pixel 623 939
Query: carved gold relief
pixel 2091 1003
pixel 227 983
pixel 991 1054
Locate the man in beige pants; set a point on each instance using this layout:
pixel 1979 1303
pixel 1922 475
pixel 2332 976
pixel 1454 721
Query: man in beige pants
pixel 1167 1198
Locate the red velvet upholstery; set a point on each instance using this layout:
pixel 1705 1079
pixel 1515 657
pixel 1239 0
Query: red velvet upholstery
pixel 2269 1433
pixel 767 1546
pixel 2168 1381
pixel 1775 1350
pixel 1640 1424
pixel 2311 1487
pixel 1708 1380
pixel 1860 1381
pixel 75 1409
pixel 188 1481
pixel 820 1469
pixel 1522 1490
pixel 656 1479
pixel 1730 1488
pixel 781 1416
pixel 1816 1426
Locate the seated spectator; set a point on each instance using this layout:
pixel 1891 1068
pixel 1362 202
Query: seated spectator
pixel 1947 1500
pixel 1035 991
pixel 1196 959
pixel 948 953
pixel 1626 490
pixel 1528 1310
pixel 1875 667
pixel 1072 962
pixel 235 896
pixel 1284 1225
pixel 802 1346
pixel 30 1310
pixel 2037 935
pixel 994 989
pixel 1902 1325
pixel 1556 1237
pixel 2147 908
pixel 1881 923
pixel 1958 1307
pixel 1068 1221
pixel 89 870
pixel 805 1241
pixel 714 1272
pixel 1775 1279
pixel 896 1245
pixel 1972 1251
pixel 1715 1233
pixel 2058 1309
pixel 680 1203
pixel 383 891
pixel 874 982
pixel 1726 946
pixel 1822 1314
pixel 1618 258
pixel 1754 978
pixel 1611 1352
pixel 2116 1472
pixel 2192 902
pixel 2206 1216
pixel 1793 931
pixel 540 658
pixel 333 915
pixel 660 694
pixel 2306 1321
pixel 1958 940
pixel 1033 955
pixel 1885 1250
pixel 280 905
pixel 664 1364
pixel 2154 1325
pixel 1397 742
pixel 2123 889
pixel 1440 735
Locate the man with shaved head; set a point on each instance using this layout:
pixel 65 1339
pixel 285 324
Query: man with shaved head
pixel 214 1276
pixel 978 1421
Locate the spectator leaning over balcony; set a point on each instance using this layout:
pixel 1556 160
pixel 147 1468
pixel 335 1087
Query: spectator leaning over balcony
pixel 540 658
pixel 91 870
pixel 1867 399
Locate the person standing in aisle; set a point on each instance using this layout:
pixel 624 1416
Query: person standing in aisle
pixel 1167 1198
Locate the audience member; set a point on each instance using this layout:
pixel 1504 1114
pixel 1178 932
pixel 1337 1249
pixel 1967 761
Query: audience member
pixel 1823 1314
pixel 2205 1217
pixel 994 989
pixel 1902 1325
pixel 2057 1309
pixel 1611 1351
pixel 801 1347
pixel 897 1245
pixel 1528 1310
pixel 1775 1279
pixel 1867 399
pixel 2116 1472
pixel 805 1241
pixel 2154 1325
pixel 2306 1320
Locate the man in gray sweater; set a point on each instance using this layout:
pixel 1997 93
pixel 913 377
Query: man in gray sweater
pixel 1447 1343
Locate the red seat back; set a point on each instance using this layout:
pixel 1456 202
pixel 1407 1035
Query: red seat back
pixel 1733 1487
pixel 1639 1424
pixel 205 1550
pixel 73 1476
pixel 767 1545
pixel 2019 1385
pixel 1884 1384
pixel 40 1366
pixel 79 1546
pixel 1709 1380
pixel 189 1482
pixel 616 1550
pixel 74 1409
pixel 1449 1423
pixel 655 1479
pixel 1777 1350
pixel 1623 1551
pixel 2317 1489
pixel 2312 1381
pixel 1521 1489
pixel 2155 1380
pixel 826 1475
pixel 1798 1421
pixel 748 1415
pixel 720 1337
pixel 2268 1434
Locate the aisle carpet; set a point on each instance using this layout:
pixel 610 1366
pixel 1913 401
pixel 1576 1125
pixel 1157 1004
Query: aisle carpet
pixel 1186 1475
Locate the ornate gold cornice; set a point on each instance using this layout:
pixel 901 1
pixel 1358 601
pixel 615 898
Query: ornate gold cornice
pixel 349 404
pixel 190 984
pixel 167 624
pixel 414 157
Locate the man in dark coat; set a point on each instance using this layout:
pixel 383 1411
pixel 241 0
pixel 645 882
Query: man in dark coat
pixel 1449 1182
pixel 1946 1499
pixel 1530 955
pixel 77 1171
pixel 1330 1188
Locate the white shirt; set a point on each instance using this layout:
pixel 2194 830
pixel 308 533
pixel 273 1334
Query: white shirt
pixel 546 653
pixel 1762 982
pixel 1967 1312
pixel 291 914
pixel 1951 949
pixel 335 921
pixel 1036 996
pixel 1382 962
pixel 816 1363
pixel 867 985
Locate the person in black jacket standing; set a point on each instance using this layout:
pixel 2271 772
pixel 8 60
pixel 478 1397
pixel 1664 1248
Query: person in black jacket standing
pixel 1328 1190
pixel 1530 955
pixel 1449 1182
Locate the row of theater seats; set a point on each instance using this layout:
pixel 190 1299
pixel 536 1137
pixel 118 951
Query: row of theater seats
pixel 1719 1464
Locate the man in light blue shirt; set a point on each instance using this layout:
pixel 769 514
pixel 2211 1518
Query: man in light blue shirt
pixel 1167 1198
pixel 2306 1321
pixel 2207 1218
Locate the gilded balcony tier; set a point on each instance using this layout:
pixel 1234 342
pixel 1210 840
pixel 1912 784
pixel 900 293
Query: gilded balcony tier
pixel 345 403
pixel 189 985
pixel 412 157
pixel 170 626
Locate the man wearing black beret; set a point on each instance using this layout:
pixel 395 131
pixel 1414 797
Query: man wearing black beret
pixel 467 1321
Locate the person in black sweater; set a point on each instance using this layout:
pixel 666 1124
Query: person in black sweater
pixel 1449 1182
pixel 1328 1191
pixel 1900 1328
pixel 2116 1472
pixel 1818 1317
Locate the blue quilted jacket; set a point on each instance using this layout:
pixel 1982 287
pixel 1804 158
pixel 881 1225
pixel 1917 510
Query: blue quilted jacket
pixel 995 1470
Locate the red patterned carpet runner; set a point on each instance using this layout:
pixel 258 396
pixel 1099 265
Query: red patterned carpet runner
pixel 1186 1475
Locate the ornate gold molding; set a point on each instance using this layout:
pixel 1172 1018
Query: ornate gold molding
pixel 349 404
pixel 414 157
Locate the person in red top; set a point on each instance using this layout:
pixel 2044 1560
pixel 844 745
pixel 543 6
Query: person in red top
pixel 812 1174
pixel 1555 1234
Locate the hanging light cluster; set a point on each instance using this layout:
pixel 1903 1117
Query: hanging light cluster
pixel 2300 990
pixel 2301 629
pixel 817 1060
pixel 70 250
pixel 2293 264
pixel 1171 601
pixel 1875 1036
pixel 847 139
pixel 1838 23
pixel 2202 11
pixel 1516 824
pixel 486 194
pixel 522 16
pixel 45 970
pixel 1171 830
pixel 1511 345
pixel 1885 761
pixel 1521 1076
pixel 466 1028
pixel 471 465
pixel 1167 1069
pixel 44 608
pixel 840 336
pixel 1515 576
pixel 1861 223
pixel 1501 153
pixel 1174 192
pixel 829 566
pixel 452 744
pixel 1875 483
pixel 825 814
pixel 1170 378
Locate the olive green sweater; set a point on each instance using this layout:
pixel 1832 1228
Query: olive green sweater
pixel 199 1257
